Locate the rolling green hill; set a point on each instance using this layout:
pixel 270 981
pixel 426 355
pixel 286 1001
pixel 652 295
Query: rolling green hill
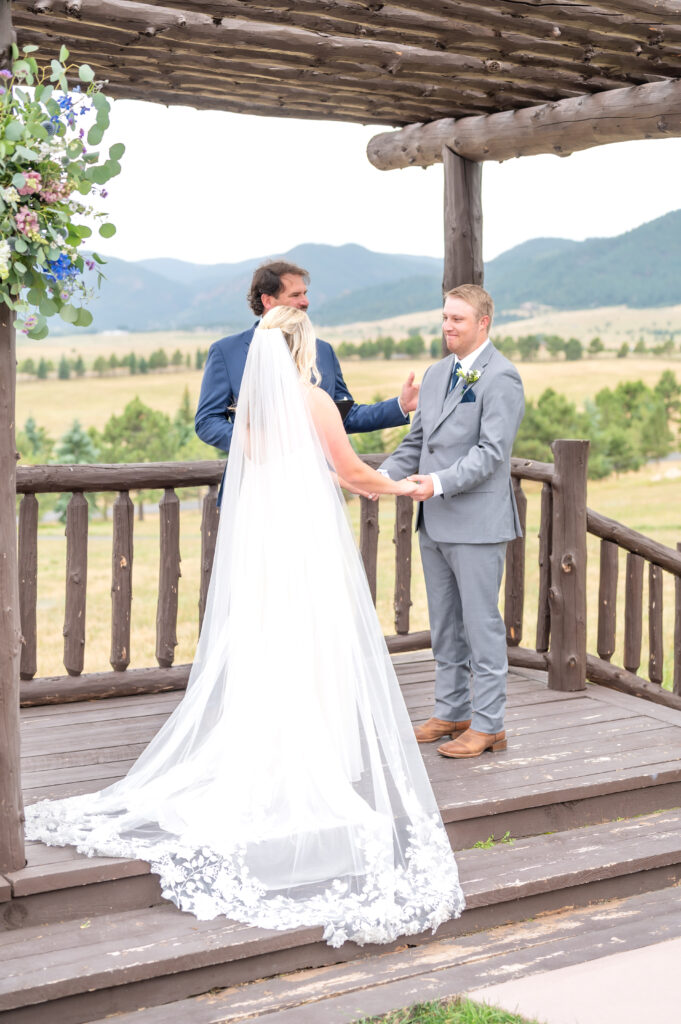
pixel 639 269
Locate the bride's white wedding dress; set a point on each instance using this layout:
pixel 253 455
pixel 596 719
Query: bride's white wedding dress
pixel 287 788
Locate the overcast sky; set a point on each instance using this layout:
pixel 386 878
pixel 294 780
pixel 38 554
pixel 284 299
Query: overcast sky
pixel 212 187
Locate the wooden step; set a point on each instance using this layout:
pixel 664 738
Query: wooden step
pixel 79 970
pixel 573 760
pixel 440 969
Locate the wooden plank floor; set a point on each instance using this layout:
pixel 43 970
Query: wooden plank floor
pixel 584 747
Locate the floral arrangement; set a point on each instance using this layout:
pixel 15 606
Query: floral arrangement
pixel 46 169
pixel 468 378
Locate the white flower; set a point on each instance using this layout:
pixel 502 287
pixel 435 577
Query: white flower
pixel 10 194
pixel 5 253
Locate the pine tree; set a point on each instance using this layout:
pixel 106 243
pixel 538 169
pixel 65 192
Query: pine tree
pixel 64 371
pixel 79 367
pixel 42 371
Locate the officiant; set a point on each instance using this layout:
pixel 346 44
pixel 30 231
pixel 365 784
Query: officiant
pixel 279 283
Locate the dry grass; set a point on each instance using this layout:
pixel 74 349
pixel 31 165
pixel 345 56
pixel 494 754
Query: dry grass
pixel 54 404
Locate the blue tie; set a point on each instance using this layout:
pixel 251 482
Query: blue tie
pixel 454 379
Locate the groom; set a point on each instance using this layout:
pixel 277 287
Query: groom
pixel 283 284
pixel 458 451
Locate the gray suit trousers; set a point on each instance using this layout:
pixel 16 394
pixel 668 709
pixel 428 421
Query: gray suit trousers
pixel 468 633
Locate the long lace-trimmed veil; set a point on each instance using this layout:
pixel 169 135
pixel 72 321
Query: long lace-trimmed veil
pixel 286 789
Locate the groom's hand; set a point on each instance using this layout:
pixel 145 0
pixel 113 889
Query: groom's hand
pixel 424 487
pixel 409 395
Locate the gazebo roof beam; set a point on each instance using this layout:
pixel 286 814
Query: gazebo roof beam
pixel 637 112
pixel 391 58
pixel 466 24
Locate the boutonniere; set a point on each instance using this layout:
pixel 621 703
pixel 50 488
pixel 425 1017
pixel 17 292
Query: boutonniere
pixel 468 378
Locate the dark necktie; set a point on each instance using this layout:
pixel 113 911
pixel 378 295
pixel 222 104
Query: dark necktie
pixel 454 379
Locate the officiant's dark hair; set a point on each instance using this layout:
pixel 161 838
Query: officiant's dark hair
pixel 267 281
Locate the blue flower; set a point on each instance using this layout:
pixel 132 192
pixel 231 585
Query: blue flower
pixel 61 269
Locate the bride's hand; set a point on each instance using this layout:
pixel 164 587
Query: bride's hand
pixel 406 488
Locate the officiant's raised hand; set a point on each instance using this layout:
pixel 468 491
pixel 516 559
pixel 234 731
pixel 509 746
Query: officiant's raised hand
pixel 409 395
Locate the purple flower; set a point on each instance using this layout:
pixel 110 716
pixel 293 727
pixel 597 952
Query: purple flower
pixel 90 264
pixel 81 133
pixel 104 193
pixel 4 73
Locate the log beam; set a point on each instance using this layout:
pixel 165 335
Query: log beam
pixel 651 111
pixel 11 810
pixel 463 222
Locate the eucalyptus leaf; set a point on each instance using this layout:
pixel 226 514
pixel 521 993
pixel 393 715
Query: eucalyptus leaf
pixel 20 267
pixel 98 259
pixel 63 54
pixel 20 245
pixel 53 253
pixel 95 135
pixel 68 313
pixel 85 73
pixel 14 131
pixel 116 151
pixel 28 154
pixel 39 332
pixel 47 306
pixel 107 230
pixel 29 48
pixel 18 180
pixel 74 148
pixel 82 230
pixel 2 206
pixel 34 296
pixel 84 318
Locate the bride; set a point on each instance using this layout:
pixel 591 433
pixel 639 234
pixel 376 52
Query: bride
pixel 286 789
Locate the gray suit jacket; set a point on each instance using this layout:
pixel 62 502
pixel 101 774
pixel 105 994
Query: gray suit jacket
pixel 467 442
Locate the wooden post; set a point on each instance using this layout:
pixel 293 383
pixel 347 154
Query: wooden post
pixel 76 583
pixel 210 519
pixel 11 810
pixel 677 632
pixel 169 577
pixel 567 594
pixel 404 513
pixel 543 607
pixel 28 584
pixel 607 600
pixel 121 581
pixel 368 541
pixel 463 222
pixel 514 589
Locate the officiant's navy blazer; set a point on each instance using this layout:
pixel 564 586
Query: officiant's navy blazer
pixel 221 383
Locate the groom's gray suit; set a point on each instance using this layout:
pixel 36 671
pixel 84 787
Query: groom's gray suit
pixel 463 532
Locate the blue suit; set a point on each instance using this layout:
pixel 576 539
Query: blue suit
pixel 222 378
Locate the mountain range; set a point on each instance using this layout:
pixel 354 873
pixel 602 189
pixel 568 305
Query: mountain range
pixel 640 269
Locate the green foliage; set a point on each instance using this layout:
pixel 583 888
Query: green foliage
pixel 596 346
pixel 27 366
pixel 449 1011
pixel 435 348
pixel 64 369
pixel 76 447
pixel 139 434
pixel 640 347
pixel 200 358
pixel 100 365
pixel 554 344
pixel 43 369
pixel 79 367
pixel 158 360
pixel 627 425
pixel 528 346
pixel 45 171
pixel 487 844
pixel 34 444
pixel 574 350
pixel 623 351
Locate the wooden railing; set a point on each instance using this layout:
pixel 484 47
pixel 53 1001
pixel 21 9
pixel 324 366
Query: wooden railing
pixel 559 645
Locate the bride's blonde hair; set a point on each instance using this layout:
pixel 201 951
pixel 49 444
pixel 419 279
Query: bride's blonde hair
pixel 300 337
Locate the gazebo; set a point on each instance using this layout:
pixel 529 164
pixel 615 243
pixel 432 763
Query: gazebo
pixel 457 81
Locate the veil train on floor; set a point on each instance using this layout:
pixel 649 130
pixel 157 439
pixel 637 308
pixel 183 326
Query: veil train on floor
pixel 287 788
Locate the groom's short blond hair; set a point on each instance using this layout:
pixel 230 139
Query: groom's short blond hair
pixel 481 301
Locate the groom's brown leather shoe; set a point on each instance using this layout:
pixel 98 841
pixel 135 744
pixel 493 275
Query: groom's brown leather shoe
pixel 473 743
pixel 436 728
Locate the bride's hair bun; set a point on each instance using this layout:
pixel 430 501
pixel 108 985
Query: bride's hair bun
pixel 299 333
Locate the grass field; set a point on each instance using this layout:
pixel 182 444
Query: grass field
pixel 54 404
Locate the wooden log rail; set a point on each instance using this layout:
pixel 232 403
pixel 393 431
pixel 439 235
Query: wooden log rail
pixel 558 644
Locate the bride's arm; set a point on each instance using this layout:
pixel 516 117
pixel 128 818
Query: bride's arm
pixel 352 472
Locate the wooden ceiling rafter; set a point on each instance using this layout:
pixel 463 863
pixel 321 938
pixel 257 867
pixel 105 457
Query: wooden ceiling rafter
pixel 394 64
